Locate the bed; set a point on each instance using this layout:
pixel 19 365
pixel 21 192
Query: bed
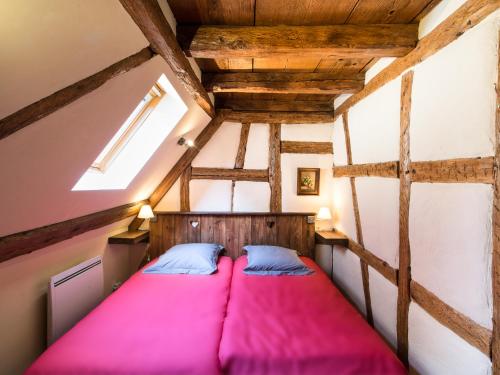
pixel 298 325
pixel 153 324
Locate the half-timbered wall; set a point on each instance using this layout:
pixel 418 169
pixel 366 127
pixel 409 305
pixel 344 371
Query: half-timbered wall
pixel 443 108
pixel 251 196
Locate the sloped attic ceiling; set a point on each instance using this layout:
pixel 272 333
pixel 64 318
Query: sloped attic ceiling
pixel 57 44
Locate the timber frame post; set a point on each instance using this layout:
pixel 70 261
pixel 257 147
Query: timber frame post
pixel 275 166
pixel 404 211
pixel 359 233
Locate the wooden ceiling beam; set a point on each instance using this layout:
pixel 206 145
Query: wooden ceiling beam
pixel 59 99
pixel 284 83
pixel 150 19
pixel 336 41
pixel 21 243
pixel 274 105
pixel 282 117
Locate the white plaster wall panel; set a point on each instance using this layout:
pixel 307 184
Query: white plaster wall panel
pixel 251 196
pixel 257 154
pixel 453 99
pixel 210 195
pixel 378 201
pixel 24 283
pixel 436 350
pixel 48 45
pixel 450 241
pixel 292 202
pixel 376 68
pixel 339 149
pixel 343 211
pixel 340 100
pixel 172 200
pixel 384 300
pixel 307 132
pixel 346 273
pixel 221 149
pixel 52 167
pixel 374 125
pixel 442 11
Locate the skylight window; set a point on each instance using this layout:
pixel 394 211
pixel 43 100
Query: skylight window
pixel 129 128
pixel 136 140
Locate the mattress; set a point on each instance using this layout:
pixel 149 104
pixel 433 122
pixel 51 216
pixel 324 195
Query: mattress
pixel 153 324
pixel 298 325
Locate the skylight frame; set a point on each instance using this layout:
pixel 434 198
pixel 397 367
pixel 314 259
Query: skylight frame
pixel 101 163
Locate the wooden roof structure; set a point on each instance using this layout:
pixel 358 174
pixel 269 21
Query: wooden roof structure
pixel 285 72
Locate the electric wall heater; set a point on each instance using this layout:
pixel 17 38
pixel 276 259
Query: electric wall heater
pixel 72 295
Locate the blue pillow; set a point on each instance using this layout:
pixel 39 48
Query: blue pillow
pixel 190 258
pixel 274 260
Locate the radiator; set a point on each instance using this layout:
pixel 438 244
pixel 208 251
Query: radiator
pixel 72 295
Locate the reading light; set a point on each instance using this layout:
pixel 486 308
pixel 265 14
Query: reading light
pixel 323 214
pixel 185 142
pixel 146 212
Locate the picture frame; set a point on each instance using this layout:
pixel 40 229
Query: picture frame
pixel 308 181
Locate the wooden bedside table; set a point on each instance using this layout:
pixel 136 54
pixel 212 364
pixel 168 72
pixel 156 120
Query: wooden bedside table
pixel 331 237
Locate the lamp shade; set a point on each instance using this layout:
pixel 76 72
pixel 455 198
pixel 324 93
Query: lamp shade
pixel 146 212
pixel 324 214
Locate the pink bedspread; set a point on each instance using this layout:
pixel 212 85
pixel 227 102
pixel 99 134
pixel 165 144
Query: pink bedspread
pixel 298 325
pixel 153 324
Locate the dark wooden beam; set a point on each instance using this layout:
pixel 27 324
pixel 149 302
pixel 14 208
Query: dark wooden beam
pixel 44 107
pixel 295 147
pixel 473 170
pixel 339 41
pixel 184 162
pixel 259 175
pixel 373 261
pixel 284 83
pixel 275 166
pixel 184 182
pixel 242 147
pixel 149 17
pixel 385 169
pixel 266 117
pixel 25 242
pixel 475 334
pixel 465 18
pixel 274 105
pixel 404 275
pixel 357 218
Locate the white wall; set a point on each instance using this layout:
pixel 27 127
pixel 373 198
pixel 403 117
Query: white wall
pixel 452 116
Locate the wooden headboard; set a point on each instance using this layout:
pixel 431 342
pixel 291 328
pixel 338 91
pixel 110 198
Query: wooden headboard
pixel 232 230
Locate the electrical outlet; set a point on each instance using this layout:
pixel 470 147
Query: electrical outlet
pixel 311 219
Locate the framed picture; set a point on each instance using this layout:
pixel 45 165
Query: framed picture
pixel 307 181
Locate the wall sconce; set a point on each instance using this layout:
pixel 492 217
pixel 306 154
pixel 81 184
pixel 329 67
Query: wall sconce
pixel 185 142
pixel 324 215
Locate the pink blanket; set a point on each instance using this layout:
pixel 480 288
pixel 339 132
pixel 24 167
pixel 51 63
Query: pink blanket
pixel 298 325
pixel 153 324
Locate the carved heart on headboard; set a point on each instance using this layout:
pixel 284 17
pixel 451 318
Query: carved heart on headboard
pixel 194 223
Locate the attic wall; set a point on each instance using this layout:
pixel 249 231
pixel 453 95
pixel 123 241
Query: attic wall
pixel 220 152
pixel 56 44
pixel 452 116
